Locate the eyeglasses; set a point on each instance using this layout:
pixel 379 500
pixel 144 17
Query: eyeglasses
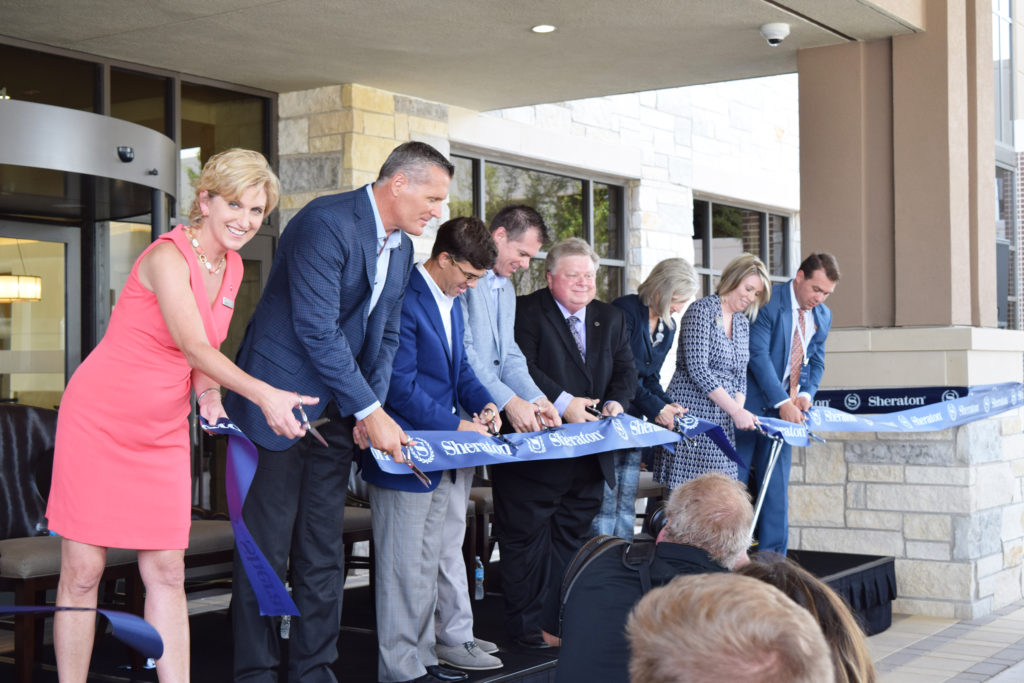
pixel 470 277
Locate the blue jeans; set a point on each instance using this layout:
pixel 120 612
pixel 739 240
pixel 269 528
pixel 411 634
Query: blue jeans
pixel 618 507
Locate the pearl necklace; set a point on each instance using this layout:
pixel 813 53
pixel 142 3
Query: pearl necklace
pixel 201 255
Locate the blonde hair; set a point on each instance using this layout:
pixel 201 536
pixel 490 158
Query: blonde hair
pixel 723 628
pixel 229 174
pixel 736 271
pixel 670 278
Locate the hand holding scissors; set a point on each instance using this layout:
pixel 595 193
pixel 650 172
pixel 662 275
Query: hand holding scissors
pixel 311 428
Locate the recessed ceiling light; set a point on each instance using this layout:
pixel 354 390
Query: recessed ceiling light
pixel 543 28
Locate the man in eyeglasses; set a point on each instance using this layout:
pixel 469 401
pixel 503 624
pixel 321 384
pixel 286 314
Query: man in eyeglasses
pixel 578 353
pixel 430 383
pixel 518 232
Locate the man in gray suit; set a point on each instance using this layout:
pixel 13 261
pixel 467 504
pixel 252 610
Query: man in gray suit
pixel 490 314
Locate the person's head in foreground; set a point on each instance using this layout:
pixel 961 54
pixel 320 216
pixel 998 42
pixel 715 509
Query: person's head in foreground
pixel 713 513
pixel 724 628
pixel 845 639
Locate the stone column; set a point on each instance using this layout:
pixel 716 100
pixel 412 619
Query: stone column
pixel 335 138
pixel 897 179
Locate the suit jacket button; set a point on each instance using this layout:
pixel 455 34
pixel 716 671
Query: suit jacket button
pixel 496 362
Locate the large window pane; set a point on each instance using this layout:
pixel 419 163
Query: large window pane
pixel 609 283
pixel 460 192
pixel 733 231
pixel 139 98
pixel 531 279
pixel 32 332
pixel 47 79
pixel 214 119
pixel 777 245
pixel 608 221
pixel 701 229
pixel 558 199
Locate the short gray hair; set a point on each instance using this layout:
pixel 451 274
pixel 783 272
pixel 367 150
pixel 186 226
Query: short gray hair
pixel 413 159
pixel 571 246
pixel 713 513
pixel 670 278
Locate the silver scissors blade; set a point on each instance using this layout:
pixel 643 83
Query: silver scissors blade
pixel 415 470
pixel 310 429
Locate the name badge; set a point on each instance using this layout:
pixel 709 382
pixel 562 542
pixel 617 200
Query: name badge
pixel 230 303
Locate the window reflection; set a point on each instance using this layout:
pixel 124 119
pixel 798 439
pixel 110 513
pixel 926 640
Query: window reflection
pixel 32 333
pixel 139 98
pixel 558 198
pixel 460 193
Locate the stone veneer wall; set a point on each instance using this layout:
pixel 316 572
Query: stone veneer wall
pixel 947 505
pixel 335 138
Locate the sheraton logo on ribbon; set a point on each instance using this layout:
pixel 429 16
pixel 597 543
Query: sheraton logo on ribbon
pixel 422 451
pixel 462 448
pixel 536 444
pixel 638 427
pixel 569 440
pixel 620 430
pixel 851 401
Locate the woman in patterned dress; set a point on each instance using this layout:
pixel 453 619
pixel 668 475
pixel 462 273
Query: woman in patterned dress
pixel 711 369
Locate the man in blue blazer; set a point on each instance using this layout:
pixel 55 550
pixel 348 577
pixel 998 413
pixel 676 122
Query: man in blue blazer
pixel 326 325
pixel 431 381
pixel 518 233
pixel 785 368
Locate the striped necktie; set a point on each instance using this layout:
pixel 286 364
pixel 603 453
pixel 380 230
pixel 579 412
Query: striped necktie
pixel 796 356
pixel 574 323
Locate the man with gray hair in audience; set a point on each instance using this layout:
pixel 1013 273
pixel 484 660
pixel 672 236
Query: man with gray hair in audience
pixel 727 628
pixel 708 530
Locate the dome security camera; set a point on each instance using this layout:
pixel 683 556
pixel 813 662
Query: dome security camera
pixel 775 33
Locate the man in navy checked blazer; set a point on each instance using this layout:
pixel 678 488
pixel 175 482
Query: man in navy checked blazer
pixel 327 325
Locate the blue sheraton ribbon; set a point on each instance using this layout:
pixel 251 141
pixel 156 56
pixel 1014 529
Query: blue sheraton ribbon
pixel 980 402
pixel 271 595
pixel 443 450
pixel 131 630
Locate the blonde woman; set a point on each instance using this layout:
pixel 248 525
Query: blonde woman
pixel 711 369
pixel 121 471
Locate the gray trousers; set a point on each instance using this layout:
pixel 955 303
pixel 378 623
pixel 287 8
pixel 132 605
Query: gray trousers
pixel 454 615
pixel 407 531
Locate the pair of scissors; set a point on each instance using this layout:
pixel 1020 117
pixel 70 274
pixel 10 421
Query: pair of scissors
pixel 678 421
pixel 412 466
pixel 311 427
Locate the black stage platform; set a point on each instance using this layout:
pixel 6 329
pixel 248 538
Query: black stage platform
pixel 867 582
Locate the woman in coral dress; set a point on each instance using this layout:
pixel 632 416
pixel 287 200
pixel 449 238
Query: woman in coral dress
pixel 121 470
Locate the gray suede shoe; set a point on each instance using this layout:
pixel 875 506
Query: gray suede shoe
pixel 467 656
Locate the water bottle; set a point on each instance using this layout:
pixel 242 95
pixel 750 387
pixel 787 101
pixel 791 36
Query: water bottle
pixel 286 626
pixel 478 580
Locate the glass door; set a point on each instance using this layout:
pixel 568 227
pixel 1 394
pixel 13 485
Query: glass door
pixel 40 332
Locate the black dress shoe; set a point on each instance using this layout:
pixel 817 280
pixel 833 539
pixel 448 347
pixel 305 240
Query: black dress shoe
pixel 425 678
pixel 533 641
pixel 443 673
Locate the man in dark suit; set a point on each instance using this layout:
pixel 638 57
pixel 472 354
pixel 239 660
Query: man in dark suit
pixel 431 381
pixel 577 351
pixel 787 359
pixel 327 325
pixel 708 530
